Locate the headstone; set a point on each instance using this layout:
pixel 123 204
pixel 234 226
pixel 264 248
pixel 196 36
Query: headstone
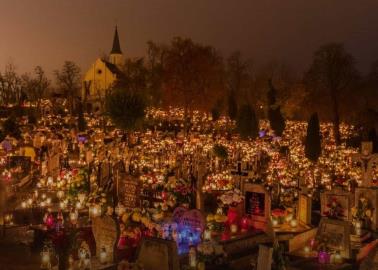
pixel 158 254
pixel 371 196
pixel 304 209
pixel 367 160
pixel 264 259
pixel 337 201
pixel 129 191
pixel 337 235
pixel 257 204
pixel 106 234
pixel 53 163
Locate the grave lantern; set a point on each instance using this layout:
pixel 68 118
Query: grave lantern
pixel 46 258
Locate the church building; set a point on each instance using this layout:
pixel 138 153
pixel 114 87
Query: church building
pixel 101 76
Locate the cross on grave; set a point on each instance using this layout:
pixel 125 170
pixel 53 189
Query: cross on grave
pixel 241 173
pixel 367 159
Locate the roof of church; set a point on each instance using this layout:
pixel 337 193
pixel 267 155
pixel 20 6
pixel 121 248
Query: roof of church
pixel 113 68
pixel 116 49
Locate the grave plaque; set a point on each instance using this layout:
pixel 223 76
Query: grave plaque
pixel 257 204
pixel 158 254
pixel 106 234
pixel 193 219
pixel 129 191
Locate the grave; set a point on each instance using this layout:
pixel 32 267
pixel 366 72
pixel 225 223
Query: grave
pixel 257 204
pixel 337 203
pixel 367 159
pixel 335 236
pixel 158 254
pixel 105 232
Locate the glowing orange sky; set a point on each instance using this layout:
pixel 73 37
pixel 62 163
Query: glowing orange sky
pixel 47 32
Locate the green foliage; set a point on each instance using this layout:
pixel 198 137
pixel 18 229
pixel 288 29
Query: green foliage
pixel 126 109
pixel 277 122
pixel 216 110
pixel 232 107
pixel 247 124
pixel 220 151
pixel 313 140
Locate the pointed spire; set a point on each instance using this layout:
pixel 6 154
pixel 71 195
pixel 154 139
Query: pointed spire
pixel 116 47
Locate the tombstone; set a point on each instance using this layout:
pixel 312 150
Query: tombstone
pixel 304 210
pixel 337 196
pixel 53 165
pixel 129 191
pixel 338 234
pixel 105 232
pixel 371 195
pixel 257 204
pixel 158 254
pixel 367 160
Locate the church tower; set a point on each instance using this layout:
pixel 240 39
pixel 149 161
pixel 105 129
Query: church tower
pixel 116 56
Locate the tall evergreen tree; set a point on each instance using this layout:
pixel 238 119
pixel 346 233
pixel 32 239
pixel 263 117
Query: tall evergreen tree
pixel 247 124
pixel 313 141
pixel 232 106
pixel 277 122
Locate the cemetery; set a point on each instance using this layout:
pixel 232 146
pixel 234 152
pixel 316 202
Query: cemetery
pixel 166 200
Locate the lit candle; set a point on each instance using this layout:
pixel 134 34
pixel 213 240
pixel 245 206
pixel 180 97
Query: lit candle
pixel 207 235
pixel 234 228
pixel 103 255
pixel 358 226
pixel 293 223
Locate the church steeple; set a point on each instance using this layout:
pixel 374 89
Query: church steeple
pixel 116 49
pixel 116 56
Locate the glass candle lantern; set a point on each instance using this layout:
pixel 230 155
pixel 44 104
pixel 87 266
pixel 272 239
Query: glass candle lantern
pixel 45 258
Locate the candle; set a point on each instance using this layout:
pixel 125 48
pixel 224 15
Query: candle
pixel 337 258
pixel 103 255
pixel 323 257
pixel 234 228
pixel 207 235
pixel 357 227
pixel 293 223
pixel 192 257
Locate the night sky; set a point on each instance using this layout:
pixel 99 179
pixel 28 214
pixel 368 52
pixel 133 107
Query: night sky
pixel 47 32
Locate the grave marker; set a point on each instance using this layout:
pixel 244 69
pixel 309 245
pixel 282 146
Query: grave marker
pixel 105 232
pixel 257 204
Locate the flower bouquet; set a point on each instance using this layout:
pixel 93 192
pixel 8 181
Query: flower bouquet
pixel 363 212
pixel 334 209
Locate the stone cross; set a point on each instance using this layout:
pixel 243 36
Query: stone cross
pixel 367 159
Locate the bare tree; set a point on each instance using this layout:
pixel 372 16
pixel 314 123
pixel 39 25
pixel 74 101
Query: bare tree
pixel 332 72
pixel 68 80
pixel 10 85
pixel 192 75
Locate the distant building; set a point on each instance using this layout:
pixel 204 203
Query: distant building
pixel 101 76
